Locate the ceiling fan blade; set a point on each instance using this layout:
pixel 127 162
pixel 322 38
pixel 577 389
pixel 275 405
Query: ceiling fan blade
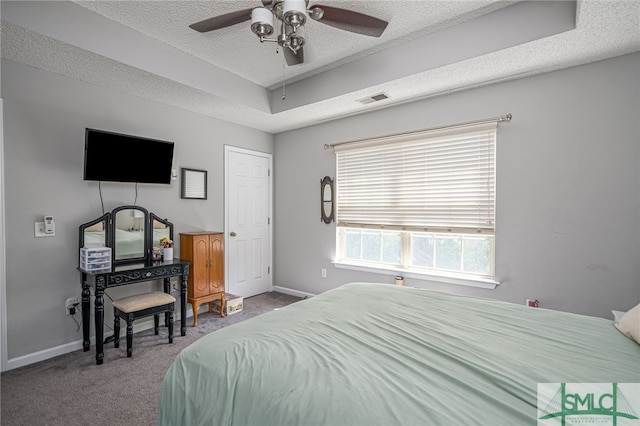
pixel 222 21
pixel 293 58
pixel 349 20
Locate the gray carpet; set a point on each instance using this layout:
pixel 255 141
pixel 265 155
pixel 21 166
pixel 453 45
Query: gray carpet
pixel 72 390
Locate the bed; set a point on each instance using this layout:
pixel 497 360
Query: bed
pixel 375 354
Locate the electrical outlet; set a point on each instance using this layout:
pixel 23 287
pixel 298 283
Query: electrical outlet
pixel 533 303
pixel 71 303
pixel 323 272
pixel 40 231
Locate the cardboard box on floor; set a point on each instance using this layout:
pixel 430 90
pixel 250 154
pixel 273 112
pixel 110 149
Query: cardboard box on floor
pixel 233 304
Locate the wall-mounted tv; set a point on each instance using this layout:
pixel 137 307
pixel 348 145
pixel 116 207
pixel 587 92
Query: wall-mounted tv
pixel 116 157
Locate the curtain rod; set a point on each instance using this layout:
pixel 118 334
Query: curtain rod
pixel 469 123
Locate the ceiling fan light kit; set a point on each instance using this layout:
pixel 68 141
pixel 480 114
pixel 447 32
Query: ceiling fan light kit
pixel 292 16
pixel 261 22
pixel 294 13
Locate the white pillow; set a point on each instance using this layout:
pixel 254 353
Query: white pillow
pixel 629 324
pixel 617 315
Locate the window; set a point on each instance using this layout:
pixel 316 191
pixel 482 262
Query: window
pixel 421 202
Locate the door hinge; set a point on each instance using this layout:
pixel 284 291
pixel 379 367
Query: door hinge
pixel 268 269
pixel 268 221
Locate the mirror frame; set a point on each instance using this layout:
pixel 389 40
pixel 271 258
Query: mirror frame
pixel 326 183
pixel 146 250
pixel 106 218
pixel 152 218
pixel 109 219
pixel 193 184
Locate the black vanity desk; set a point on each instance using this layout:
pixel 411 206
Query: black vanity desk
pixel 124 275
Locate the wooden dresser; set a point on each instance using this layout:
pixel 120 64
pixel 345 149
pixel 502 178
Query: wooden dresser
pixel 205 251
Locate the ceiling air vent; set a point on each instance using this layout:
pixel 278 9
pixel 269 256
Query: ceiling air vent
pixel 374 98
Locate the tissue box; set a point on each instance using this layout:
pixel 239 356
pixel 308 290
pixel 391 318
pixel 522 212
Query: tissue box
pixel 233 304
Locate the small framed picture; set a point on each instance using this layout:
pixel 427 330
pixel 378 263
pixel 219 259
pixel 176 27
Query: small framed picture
pixel 194 184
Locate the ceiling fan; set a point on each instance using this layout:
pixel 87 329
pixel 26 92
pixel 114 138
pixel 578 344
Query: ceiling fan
pixel 292 15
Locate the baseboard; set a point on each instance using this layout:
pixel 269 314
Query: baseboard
pixel 292 292
pixel 45 354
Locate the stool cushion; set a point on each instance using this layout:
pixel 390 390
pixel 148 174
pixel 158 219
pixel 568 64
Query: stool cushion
pixel 139 302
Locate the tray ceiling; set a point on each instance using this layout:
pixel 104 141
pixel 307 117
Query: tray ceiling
pixel 429 48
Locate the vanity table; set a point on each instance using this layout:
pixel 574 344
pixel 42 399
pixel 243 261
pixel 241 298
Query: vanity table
pixel 126 275
pixel 131 232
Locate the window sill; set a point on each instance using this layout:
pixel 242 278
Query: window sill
pixel 448 279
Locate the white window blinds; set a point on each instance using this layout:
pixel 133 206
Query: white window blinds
pixel 434 181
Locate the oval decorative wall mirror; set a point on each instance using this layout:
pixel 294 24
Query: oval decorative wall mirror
pixel 326 199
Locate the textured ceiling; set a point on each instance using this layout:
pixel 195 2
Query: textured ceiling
pixel 238 50
pixel 146 48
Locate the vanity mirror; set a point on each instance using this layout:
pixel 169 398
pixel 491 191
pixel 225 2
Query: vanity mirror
pixel 95 233
pixel 130 231
pixel 129 225
pixel 161 228
pixel 326 199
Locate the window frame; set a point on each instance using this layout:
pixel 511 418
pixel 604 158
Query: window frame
pixel 405 267
pixel 407 270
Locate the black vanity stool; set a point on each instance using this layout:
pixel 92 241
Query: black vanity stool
pixel 139 306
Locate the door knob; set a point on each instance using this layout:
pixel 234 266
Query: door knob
pixel 233 234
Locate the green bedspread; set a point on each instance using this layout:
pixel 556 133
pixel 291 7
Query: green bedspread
pixel 374 354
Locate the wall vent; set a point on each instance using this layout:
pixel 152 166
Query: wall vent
pixel 374 98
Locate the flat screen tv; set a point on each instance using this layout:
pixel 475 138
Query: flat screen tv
pixel 115 157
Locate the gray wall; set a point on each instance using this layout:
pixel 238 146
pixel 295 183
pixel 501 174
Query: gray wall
pixel 568 191
pixel 44 120
pixel 568 214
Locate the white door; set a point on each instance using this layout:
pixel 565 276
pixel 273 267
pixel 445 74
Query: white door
pixel 247 222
